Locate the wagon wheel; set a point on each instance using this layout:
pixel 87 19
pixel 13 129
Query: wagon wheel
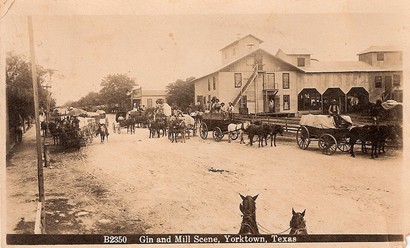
pixel 329 144
pixel 203 130
pixel 234 135
pixel 302 137
pixel 344 145
pixel 217 134
pixel 194 129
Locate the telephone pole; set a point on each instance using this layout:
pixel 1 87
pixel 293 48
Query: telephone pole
pixel 40 216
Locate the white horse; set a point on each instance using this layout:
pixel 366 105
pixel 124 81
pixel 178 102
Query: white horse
pixel 237 128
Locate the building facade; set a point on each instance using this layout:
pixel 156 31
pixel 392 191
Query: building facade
pixel 147 98
pixel 292 83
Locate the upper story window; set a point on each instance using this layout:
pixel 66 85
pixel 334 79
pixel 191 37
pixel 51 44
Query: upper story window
pixel 214 83
pixel 285 80
pixel 238 80
pixel 270 81
pixel 380 57
pixel 378 81
pixel 396 80
pixel 301 61
pixel 209 85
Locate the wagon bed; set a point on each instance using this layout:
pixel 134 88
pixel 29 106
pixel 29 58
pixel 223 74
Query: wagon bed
pixel 322 128
pixel 217 123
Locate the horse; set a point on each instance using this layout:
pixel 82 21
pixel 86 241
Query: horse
pixel 262 131
pixel 248 209
pixel 367 133
pixel 55 130
pixel 44 127
pixel 239 128
pixel 276 129
pixel 103 132
pixel 130 123
pixel 176 126
pixel 298 223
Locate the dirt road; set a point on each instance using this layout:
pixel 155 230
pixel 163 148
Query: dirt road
pixel 135 184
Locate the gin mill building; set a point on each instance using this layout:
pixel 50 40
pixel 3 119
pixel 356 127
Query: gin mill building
pixel 291 82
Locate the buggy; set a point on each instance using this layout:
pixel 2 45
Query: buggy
pixel 322 128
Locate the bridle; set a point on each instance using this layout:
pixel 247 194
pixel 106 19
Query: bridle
pixel 251 217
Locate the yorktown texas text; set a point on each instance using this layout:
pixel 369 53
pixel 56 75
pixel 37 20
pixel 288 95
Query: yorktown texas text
pixel 226 238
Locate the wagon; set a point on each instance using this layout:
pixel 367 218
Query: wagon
pixel 118 124
pixel 323 129
pixel 217 123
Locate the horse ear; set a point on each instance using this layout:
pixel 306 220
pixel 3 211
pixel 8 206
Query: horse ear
pixel 243 197
pixel 255 197
pixel 241 207
pixel 303 213
pixel 293 212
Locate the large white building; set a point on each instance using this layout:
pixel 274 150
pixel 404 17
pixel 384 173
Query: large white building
pixel 250 77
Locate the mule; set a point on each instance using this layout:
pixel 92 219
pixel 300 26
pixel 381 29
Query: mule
pixel 248 209
pixel 276 129
pixel 298 223
pixel 103 132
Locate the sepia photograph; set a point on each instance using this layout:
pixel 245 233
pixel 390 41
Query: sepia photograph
pixel 219 123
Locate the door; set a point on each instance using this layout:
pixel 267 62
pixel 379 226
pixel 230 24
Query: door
pixel 277 104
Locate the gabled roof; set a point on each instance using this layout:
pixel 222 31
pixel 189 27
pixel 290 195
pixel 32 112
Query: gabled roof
pixel 346 66
pixel 250 53
pixel 259 40
pixel 373 49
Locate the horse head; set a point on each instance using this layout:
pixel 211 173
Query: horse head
pixel 278 129
pixel 245 125
pixel 248 209
pixel 298 223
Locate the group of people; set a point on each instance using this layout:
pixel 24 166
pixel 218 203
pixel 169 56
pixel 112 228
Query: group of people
pixel 214 106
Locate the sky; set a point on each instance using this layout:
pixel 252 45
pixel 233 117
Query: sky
pixel 162 41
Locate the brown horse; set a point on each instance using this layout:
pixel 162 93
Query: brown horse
pixel 298 223
pixel 103 132
pixel 248 209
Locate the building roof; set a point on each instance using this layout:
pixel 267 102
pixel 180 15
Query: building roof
pixel 154 92
pixel 259 40
pixel 240 58
pixel 295 51
pixel 346 66
pixel 373 49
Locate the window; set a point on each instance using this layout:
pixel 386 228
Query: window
pixel 301 61
pixel 286 102
pixel 378 81
pixel 149 103
pixel 209 85
pixel 285 80
pixel 238 80
pixel 270 81
pixel 214 83
pixel 380 57
pixel 396 80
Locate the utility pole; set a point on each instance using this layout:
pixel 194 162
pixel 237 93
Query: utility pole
pixel 40 216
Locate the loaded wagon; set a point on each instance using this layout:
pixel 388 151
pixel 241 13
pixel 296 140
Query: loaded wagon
pixel 217 123
pixel 322 128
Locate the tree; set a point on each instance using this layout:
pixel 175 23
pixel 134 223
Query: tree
pixel 88 102
pixel 19 88
pixel 116 90
pixel 181 93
